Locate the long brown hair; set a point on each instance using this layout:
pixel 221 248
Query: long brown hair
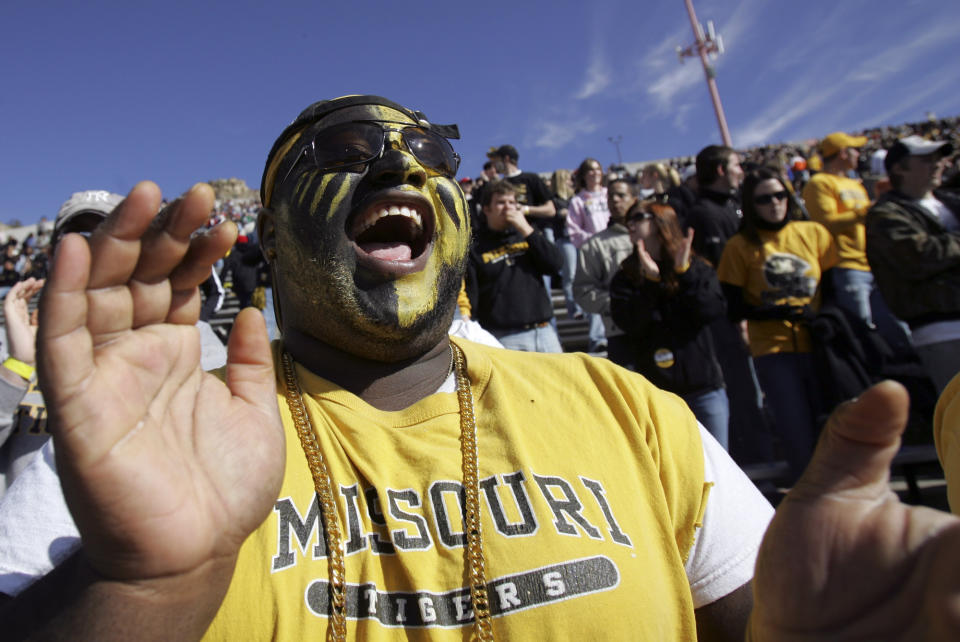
pixel 579 176
pixel 748 228
pixel 668 231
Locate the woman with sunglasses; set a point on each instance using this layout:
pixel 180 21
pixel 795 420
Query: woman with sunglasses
pixel 664 297
pixel 771 272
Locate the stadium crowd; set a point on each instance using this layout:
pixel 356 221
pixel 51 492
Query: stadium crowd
pixel 570 207
pixel 762 286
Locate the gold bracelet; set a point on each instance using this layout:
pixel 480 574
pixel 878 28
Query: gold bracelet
pixel 25 370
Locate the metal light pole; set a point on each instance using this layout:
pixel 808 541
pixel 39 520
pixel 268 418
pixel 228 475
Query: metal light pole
pixel 712 46
pixel 616 143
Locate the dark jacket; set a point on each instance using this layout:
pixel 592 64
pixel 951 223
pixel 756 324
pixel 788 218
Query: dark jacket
pixel 505 278
pixel 714 217
pixel 681 198
pixel 914 259
pixel 244 265
pixel 670 331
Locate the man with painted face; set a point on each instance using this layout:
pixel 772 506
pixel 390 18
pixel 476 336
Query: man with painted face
pixel 197 518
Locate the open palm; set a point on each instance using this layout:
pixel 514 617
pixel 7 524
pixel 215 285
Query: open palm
pixel 843 559
pixel 165 468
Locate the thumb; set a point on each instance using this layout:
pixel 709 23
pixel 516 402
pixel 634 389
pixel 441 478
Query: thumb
pixel 858 443
pixel 249 360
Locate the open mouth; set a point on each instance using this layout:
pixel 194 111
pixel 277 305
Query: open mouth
pixel 393 234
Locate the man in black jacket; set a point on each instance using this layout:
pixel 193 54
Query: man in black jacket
pixel 505 274
pixel 715 216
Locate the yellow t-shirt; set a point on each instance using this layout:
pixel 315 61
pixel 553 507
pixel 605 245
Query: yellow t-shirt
pixel 589 505
pixel 946 436
pixel 784 270
pixel 840 204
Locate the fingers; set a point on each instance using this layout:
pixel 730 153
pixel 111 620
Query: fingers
pixel 205 249
pixel 65 355
pixel 164 249
pixel 115 244
pixel 250 362
pixel 169 236
pixel 145 265
pixel 22 292
pixel 858 443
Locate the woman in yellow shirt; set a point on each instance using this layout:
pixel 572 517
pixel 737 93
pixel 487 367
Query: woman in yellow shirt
pixel 771 272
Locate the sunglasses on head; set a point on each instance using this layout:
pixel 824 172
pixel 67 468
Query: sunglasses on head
pixel 361 141
pixel 766 199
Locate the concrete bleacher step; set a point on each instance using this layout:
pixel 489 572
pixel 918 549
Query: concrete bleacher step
pixel 574 333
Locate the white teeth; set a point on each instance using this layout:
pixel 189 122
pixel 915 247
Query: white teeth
pixel 371 218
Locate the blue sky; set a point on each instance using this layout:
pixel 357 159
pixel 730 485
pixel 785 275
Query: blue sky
pixel 103 94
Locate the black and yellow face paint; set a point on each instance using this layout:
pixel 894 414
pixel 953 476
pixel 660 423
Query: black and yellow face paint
pixel 331 280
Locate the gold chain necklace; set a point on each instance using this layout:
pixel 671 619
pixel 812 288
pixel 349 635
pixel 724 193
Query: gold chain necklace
pixel 337 631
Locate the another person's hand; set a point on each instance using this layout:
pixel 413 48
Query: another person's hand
pixel 843 559
pixel 166 469
pixel 648 267
pixel 21 326
pixel 681 259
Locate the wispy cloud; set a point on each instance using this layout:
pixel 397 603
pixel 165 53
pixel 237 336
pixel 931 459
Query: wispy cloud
pixel 659 76
pixel 830 89
pixel 680 117
pixel 598 74
pixel 666 82
pixel 791 106
pixel 554 134
pixel 902 55
pixel 665 88
pixel 913 97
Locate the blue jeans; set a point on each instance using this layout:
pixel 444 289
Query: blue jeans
pixel 789 382
pixel 548 232
pixel 597 333
pixel 539 339
pixel 856 294
pixel 569 271
pixel 852 290
pixel 712 409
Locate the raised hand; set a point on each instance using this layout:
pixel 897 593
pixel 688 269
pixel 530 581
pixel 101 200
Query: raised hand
pixel 21 328
pixel 681 259
pixel 166 469
pixel 648 267
pixel 843 559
